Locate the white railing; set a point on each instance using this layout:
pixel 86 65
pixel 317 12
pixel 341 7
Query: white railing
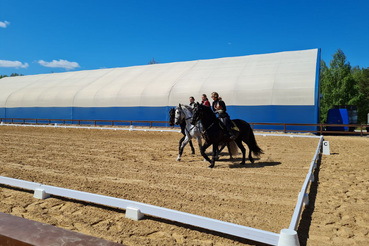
pixel 303 196
pixel 287 237
pixel 173 215
pixel 131 128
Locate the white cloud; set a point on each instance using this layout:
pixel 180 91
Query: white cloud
pixel 61 63
pixel 4 24
pixel 15 64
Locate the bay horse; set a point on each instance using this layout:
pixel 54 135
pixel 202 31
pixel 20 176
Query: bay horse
pixel 214 133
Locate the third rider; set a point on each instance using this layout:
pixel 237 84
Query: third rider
pixel 220 108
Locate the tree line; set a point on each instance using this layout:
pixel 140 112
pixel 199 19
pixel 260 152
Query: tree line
pixel 11 75
pixel 342 84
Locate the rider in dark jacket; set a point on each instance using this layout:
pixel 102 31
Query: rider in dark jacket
pixel 192 102
pixel 220 108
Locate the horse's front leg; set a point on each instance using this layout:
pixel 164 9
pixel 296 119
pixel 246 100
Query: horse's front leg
pixel 220 150
pixel 185 141
pixel 203 149
pixel 215 150
pixel 180 142
pixel 199 142
pixel 192 148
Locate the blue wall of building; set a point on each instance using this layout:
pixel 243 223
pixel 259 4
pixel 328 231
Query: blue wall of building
pixel 252 114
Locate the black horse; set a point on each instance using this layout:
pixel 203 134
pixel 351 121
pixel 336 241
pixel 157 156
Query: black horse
pixel 215 133
pixel 183 128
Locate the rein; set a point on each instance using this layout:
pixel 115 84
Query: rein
pixel 204 132
pixel 209 127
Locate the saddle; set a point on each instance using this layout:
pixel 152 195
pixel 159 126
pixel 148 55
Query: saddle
pixel 234 127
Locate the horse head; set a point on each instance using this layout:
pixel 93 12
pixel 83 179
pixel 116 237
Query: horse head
pixel 179 115
pixel 197 114
pixel 172 112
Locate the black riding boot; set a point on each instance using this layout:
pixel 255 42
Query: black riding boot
pixel 230 132
pixel 227 123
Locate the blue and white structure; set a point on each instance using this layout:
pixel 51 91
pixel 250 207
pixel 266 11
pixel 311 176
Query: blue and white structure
pixel 272 88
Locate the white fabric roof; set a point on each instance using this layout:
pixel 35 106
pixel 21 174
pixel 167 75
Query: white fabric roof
pixel 285 78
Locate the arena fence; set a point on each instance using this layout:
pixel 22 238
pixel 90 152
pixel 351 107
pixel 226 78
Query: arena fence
pixel 321 129
pixel 287 237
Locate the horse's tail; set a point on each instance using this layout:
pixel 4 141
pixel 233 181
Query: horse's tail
pixel 233 147
pixel 253 145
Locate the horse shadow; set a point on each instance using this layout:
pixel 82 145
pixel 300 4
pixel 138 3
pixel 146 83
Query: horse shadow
pixel 253 165
pixel 235 159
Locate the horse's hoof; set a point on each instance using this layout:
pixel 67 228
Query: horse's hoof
pixel 242 163
pixel 178 159
pixel 252 161
pixel 193 152
pixel 211 166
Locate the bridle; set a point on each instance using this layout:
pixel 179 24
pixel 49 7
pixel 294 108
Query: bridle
pixel 182 112
pixel 199 117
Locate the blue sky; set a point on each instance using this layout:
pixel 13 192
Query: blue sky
pixel 43 36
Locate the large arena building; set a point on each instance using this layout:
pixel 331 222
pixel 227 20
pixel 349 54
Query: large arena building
pixel 270 88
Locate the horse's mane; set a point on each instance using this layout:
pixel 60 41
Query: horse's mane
pixel 188 107
pixel 206 108
pixel 185 108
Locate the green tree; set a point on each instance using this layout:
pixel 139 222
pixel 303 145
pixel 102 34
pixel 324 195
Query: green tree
pixel 15 74
pixel 11 75
pixel 338 85
pixel 361 76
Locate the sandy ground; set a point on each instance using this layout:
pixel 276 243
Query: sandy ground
pixel 141 166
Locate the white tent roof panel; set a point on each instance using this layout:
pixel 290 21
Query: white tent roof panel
pixel 254 97
pixel 285 78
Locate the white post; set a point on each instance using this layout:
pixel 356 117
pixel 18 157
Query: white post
pixel 134 214
pixel 312 179
pixel 288 237
pixel 306 199
pixel 40 194
pixel 326 150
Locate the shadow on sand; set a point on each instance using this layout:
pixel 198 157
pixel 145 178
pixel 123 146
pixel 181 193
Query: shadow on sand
pixel 254 165
pixel 236 163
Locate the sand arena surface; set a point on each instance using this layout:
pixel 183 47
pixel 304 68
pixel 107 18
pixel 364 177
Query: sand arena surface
pixel 141 166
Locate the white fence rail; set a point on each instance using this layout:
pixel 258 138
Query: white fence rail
pixel 131 128
pixel 173 215
pixel 287 237
pixel 303 196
